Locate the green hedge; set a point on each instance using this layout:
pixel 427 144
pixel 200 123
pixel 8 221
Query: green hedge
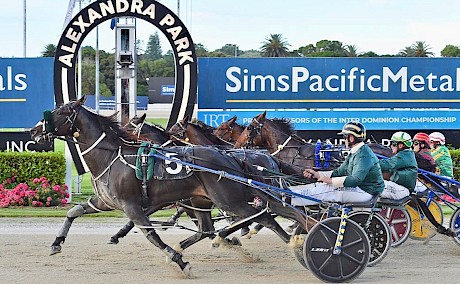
pixel 455 154
pixel 25 166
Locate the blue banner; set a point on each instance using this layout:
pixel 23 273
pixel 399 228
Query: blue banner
pixel 26 90
pixel 168 90
pixel 287 83
pixel 109 103
pixel 335 119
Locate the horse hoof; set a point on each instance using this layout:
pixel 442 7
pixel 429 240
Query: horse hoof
pixel 244 231
pixel 55 250
pixel 168 259
pixel 178 248
pixel 188 270
pixel 113 241
pixel 235 241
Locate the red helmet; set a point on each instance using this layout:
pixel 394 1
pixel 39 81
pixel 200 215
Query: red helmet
pixel 422 137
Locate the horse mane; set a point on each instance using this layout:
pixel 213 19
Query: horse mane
pixel 284 124
pixel 111 126
pixel 206 129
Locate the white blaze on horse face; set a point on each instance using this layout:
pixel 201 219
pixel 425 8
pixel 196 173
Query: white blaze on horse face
pixel 169 169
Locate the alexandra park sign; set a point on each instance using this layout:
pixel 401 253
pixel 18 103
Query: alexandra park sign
pixel 148 10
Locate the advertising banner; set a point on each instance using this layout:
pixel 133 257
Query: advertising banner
pixel 26 90
pixel 306 83
pixel 335 119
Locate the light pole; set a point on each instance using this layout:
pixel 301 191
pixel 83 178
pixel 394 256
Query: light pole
pixel 25 28
pixel 236 50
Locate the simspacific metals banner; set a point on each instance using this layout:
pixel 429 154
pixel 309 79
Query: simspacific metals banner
pixel 335 119
pixel 293 83
pixel 26 90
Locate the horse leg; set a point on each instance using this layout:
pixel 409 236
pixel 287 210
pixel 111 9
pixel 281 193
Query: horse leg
pixel 72 214
pixel 142 221
pixel 128 227
pixel 205 230
pixel 121 233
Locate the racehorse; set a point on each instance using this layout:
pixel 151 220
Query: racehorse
pixel 147 131
pixel 156 134
pixel 279 137
pixel 229 130
pixel 110 154
pixel 196 133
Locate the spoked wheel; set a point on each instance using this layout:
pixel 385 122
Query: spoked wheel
pixel 422 228
pixel 344 266
pixel 455 225
pixel 399 222
pixel 377 231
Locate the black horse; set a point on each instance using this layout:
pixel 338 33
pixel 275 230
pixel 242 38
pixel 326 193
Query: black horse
pixel 111 158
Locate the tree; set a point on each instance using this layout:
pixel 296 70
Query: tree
pixel 422 49
pixel 408 51
pixel 153 50
pixel 201 51
pixel 450 51
pixel 229 49
pixel 418 49
pixel 323 48
pixel 275 46
pixel 50 50
pixel 351 51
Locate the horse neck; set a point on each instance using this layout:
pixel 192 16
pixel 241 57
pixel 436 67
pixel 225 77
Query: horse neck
pixel 273 137
pixel 196 137
pixel 236 132
pixel 97 150
pixel 154 134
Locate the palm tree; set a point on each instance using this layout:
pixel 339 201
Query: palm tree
pixel 408 51
pixel 275 46
pixel 351 51
pixel 421 49
pixel 50 50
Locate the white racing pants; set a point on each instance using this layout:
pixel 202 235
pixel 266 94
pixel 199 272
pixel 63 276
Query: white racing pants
pixel 326 192
pixel 394 191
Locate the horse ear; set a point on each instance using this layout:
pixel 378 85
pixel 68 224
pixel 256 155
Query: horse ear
pixel 264 114
pixel 232 120
pixel 82 100
pixel 143 117
pixel 186 118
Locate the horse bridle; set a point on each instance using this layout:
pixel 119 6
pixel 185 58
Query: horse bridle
pixel 179 135
pixel 49 129
pixel 254 131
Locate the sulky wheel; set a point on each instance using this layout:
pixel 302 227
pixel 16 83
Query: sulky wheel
pixel 344 266
pixel 422 228
pixel 377 231
pixel 455 225
pixel 399 222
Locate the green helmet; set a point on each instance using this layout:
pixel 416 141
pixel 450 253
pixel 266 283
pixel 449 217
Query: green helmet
pixel 402 137
pixel 354 128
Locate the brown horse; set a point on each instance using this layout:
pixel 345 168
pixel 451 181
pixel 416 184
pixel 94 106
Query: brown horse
pixel 194 133
pixel 229 130
pixel 279 137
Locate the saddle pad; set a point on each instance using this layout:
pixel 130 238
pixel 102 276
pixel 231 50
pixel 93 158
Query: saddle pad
pixel 146 151
pixel 169 170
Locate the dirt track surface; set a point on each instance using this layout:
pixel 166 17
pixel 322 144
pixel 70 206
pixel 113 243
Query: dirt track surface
pixel 87 258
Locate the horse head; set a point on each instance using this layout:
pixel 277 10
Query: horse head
pixel 58 122
pixel 178 130
pixel 229 130
pixel 251 134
